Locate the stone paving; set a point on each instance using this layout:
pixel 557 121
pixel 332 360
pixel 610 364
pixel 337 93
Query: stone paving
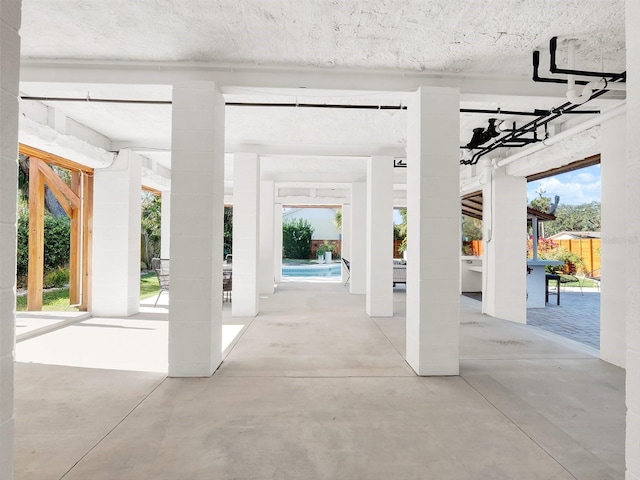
pixel 577 317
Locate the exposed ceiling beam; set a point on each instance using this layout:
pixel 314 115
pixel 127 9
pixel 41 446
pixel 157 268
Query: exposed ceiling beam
pixel 585 162
pixel 239 78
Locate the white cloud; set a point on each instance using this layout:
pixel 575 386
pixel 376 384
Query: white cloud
pixel 574 188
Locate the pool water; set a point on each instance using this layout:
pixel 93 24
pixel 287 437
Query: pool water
pixel 323 270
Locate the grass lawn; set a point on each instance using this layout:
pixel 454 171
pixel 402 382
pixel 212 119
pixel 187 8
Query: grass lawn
pixel 568 281
pixel 58 300
pixel 53 300
pixel 148 285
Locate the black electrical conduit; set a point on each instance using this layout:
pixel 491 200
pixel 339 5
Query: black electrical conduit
pixel 531 127
pixel 498 111
pixel 553 46
pixel 513 138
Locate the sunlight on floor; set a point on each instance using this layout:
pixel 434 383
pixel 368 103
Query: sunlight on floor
pixel 131 344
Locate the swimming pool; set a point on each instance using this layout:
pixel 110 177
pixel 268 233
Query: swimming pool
pixel 324 270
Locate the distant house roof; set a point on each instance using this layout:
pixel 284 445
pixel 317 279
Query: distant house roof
pixel 576 235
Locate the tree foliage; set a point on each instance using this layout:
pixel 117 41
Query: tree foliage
pixel 471 228
pixel 570 218
pixel 542 204
pixel 578 218
pixel 150 226
pixel 296 239
pixel 337 219
pixel 228 231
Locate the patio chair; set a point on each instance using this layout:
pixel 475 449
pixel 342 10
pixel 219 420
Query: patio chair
pixel 161 267
pixel 347 266
pixel 594 276
pixel 567 274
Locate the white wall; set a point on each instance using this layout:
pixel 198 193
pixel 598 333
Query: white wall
pixel 116 237
pixel 197 211
pixel 632 241
pixel 10 67
pixel 613 179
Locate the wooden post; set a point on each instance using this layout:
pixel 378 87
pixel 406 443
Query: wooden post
pixel 87 240
pixel 36 237
pixel 74 246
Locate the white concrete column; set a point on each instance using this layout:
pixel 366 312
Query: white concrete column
pixel 165 224
pixel 379 280
pixel 433 237
pixel 197 208
pixel 246 237
pixel 277 242
pixel 10 67
pixel 613 304
pixel 116 237
pixel 504 265
pixel 345 242
pixel 632 241
pixel 358 282
pixel 266 273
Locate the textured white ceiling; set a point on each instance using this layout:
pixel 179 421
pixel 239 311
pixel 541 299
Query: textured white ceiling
pixel 458 37
pixel 487 36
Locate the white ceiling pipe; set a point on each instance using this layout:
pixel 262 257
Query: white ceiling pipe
pixel 587 91
pixel 614 112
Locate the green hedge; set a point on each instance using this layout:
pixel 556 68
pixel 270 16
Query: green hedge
pixel 296 239
pixel 56 243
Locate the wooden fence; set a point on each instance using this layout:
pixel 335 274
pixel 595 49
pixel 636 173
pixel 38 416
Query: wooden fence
pixel 587 248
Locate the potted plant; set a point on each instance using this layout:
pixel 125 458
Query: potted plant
pixel 320 252
pixel 328 251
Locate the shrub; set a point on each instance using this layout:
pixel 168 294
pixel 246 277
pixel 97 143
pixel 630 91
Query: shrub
pixel 56 278
pixel 296 239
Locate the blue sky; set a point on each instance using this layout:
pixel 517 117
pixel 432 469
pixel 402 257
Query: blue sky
pixel 575 188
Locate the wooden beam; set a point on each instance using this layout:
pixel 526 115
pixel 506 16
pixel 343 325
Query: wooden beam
pixel 36 237
pixel 65 196
pixel 53 159
pixel 156 192
pixel 584 163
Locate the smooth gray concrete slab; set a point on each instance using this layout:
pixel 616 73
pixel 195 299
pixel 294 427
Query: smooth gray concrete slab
pixel 33 324
pixel 314 331
pixel 314 389
pixel 61 413
pixel 318 428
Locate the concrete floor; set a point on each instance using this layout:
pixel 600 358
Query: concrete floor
pixel 314 389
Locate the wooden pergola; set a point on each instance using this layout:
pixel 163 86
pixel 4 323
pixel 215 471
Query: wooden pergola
pixel 77 202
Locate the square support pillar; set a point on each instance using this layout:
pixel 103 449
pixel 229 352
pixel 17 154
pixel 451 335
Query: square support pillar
pixel 505 253
pixel 10 67
pixel 632 242
pixel 246 235
pixel 433 237
pixel 358 282
pixel 379 302
pixel 165 225
pixel 613 301
pixel 116 237
pixel 266 273
pixel 197 216
pixel 345 241
pixel 277 242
